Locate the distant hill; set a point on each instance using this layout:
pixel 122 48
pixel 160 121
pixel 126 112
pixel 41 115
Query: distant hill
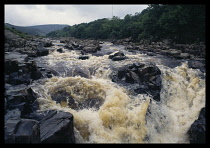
pixel 40 30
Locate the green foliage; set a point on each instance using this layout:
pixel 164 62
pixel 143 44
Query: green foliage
pixel 180 23
pixel 19 33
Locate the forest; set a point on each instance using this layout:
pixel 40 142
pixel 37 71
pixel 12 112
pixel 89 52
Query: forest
pixel 179 23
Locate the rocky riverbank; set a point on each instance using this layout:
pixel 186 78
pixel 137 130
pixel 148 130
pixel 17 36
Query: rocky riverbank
pixel 194 53
pixel 24 123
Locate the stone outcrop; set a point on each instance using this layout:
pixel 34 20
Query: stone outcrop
pixel 144 77
pixel 117 56
pixel 197 131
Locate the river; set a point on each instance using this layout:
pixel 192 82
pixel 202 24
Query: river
pixel 121 117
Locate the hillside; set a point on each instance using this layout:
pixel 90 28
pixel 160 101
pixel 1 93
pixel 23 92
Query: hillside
pixel 179 23
pixel 40 30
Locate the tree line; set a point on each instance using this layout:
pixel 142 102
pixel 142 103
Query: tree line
pixel 179 23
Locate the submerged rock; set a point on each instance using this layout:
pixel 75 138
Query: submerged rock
pixel 66 99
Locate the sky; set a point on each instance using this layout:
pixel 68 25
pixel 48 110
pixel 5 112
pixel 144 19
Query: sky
pixel 29 15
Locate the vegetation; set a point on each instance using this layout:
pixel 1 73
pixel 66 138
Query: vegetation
pixel 180 23
pixel 19 33
pixel 40 30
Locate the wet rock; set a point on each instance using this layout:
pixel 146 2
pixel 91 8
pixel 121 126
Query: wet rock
pixel 19 69
pixel 60 50
pixel 69 46
pixel 66 99
pixel 23 99
pixel 75 45
pixel 81 71
pixel 41 51
pixel 90 49
pixel 15 113
pixel 21 131
pixel 184 56
pixel 12 61
pixel 57 127
pixel 48 44
pixel 117 56
pixel 10 128
pixel 83 57
pixel 145 77
pixel 197 131
pixel 197 64
pixel 91 103
pixel 28 131
pixel 35 74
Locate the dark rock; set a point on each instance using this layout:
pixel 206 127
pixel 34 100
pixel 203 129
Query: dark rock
pixel 22 98
pixel 15 114
pixel 81 71
pixel 20 70
pixel 10 128
pixel 16 79
pixel 83 57
pixel 91 103
pixel 5 105
pixel 61 96
pixel 12 61
pixel 47 44
pixel 91 48
pixel 21 131
pixel 69 46
pixel 62 41
pixel 35 73
pixel 75 45
pixel 117 56
pixel 60 50
pixel 197 64
pixel 41 51
pixel 145 76
pixel 28 131
pixel 57 127
pixel 49 75
pixel 197 131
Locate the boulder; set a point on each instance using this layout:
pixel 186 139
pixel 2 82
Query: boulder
pixel 69 46
pixel 83 57
pixel 47 44
pixel 60 50
pixel 66 99
pixel 90 49
pixel 117 56
pixel 15 113
pixel 197 64
pixel 145 77
pixel 41 51
pixel 21 131
pixel 22 98
pixel 57 127
pixel 197 131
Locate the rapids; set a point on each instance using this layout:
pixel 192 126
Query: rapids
pixel 121 116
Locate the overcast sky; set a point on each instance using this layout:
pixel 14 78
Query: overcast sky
pixel 29 15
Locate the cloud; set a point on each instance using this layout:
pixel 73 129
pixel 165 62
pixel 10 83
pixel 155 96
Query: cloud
pixel 27 15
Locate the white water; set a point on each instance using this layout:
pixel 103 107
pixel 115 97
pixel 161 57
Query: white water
pixel 122 117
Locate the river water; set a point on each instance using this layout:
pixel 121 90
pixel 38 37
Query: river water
pixel 121 116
